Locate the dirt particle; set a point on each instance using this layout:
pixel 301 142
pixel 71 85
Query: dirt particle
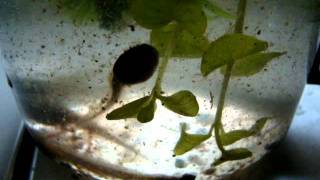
pixel 9 82
pixel 209 171
pixel 188 177
pixel 180 163
pixel 259 32
pixel 132 28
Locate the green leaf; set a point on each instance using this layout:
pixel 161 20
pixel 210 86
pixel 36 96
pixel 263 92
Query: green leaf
pixel 190 16
pixel 130 110
pixel 237 154
pixel 186 44
pixel 153 14
pixel 216 9
pixel 146 114
pixel 253 64
pixel 80 10
pixel 233 136
pixel 183 102
pixel 232 155
pixel 161 37
pixel 229 48
pixel 188 141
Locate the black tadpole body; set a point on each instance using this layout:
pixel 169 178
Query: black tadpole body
pixel 133 66
pixel 136 65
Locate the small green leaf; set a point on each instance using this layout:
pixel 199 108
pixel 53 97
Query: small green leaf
pixel 258 126
pixel 234 154
pixel 216 9
pixel 161 37
pixel 190 16
pixel 253 64
pixel 233 136
pixel 230 48
pixel 129 110
pixel 188 141
pixel 186 44
pixel 190 46
pixel 183 102
pixel 146 114
pixel 80 10
pixel 237 154
pixel 153 14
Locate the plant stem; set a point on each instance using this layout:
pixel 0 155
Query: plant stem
pixel 240 16
pixel 168 52
pixel 217 125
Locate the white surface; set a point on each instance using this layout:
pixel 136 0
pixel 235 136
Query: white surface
pixel 303 140
pixel 9 123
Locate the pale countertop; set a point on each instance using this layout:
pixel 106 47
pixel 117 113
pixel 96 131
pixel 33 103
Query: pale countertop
pixel 10 123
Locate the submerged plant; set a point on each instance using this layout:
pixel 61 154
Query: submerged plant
pixel 178 30
pixel 176 33
pixel 238 55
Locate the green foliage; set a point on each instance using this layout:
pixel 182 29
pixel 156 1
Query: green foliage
pixel 158 13
pixel 216 9
pixel 190 16
pixel 130 110
pixel 233 136
pixel 253 64
pixel 146 114
pixel 183 102
pixel 80 10
pixel 232 155
pixel 178 30
pixel 188 141
pixel 153 14
pixel 110 11
pixel 245 55
pixel 186 44
pixel 229 48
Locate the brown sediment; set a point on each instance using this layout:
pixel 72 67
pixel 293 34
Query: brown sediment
pixel 84 165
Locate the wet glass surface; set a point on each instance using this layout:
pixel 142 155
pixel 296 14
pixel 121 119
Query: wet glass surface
pixel 62 74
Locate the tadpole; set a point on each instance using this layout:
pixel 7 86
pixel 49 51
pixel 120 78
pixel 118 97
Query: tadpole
pixel 135 65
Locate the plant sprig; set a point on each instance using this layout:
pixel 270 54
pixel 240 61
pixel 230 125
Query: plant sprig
pixel 178 30
pixel 166 27
pixel 238 55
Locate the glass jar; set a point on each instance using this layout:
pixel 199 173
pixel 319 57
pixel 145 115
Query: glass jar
pixel 210 93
